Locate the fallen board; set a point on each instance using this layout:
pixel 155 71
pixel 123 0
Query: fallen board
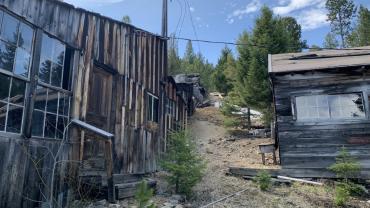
pixel 296 173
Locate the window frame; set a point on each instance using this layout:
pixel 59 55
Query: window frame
pixel 12 75
pixel 48 86
pixel 151 117
pixel 32 81
pixel 330 119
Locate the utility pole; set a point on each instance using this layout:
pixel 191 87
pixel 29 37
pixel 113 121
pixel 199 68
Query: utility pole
pixel 165 18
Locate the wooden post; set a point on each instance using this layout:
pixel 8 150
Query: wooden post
pixel 109 166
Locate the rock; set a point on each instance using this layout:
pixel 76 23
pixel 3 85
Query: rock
pixel 209 151
pixel 368 202
pixel 168 205
pixel 124 204
pixel 101 202
pixel 174 201
pixel 114 206
pixel 188 206
pixel 177 197
pixel 179 206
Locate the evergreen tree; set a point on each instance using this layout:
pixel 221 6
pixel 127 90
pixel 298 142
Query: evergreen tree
pixel 331 41
pixel 174 61
pixel 182 163
pixel 293 34
pixel 126 19
pixel 315 48
pixel 268 36
pixel 340 17
pixel 224 73
pixel 361 33
pixel 189 55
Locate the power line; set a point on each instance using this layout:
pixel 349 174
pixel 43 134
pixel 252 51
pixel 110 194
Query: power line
pixel 192 24
pixel 183 18
pixel 249 44
pixel 256 45
pixel 178 22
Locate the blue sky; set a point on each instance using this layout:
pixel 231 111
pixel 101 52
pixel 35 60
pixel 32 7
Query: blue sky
pixel 218 20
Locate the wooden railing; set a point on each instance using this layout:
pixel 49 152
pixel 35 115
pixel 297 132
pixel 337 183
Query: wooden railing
pixel 107 138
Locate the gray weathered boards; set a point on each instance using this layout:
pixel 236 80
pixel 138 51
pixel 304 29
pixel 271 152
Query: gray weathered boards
pixel 321 101
pixel 114 69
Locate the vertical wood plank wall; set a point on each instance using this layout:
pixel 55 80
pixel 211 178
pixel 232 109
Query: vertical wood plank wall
pixel 139 60
pixel 314 145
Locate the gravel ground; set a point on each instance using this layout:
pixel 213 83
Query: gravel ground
pixel 216 146
pixel 213 145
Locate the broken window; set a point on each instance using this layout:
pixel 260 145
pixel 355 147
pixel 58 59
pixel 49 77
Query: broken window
pixel 339 106
pixel 152 108
pixel 52 101
pixel 16 42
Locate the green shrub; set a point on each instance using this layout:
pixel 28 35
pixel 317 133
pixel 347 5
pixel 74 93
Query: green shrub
pixel 182 163
pixel 345 166
pixel 227 108
pixel 230 122
pixel 263 179
pixel 342 195
pixel 143 195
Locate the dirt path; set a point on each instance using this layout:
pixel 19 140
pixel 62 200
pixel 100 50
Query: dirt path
pixel 214 144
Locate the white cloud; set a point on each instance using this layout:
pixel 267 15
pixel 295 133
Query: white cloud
pixel 312 19
pixel 80 3
pixel 251 7
pixel 310 14
pixel 296 5
pixel 191 9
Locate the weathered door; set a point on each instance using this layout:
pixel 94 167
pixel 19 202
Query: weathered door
pixel 98 115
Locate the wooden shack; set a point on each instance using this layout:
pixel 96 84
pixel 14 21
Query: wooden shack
pixel 60 63
pixel 321 102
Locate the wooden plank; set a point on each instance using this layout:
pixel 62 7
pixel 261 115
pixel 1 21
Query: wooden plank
pixel 296 173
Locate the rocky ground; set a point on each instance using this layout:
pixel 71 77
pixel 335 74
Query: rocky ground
pixel 221 150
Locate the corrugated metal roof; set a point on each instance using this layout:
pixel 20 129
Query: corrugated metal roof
pixel 319 60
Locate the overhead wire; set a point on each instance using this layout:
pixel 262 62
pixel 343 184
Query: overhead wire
pixel 180 18
pixel 248 44
pixel 192 24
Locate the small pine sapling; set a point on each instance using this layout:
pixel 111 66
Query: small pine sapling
pixel 342 195
pixel 345 166
pixel 143 195
pixel 184 165
pixel 263 179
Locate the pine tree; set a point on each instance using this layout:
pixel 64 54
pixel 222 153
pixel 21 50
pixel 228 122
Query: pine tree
pixel 293 34
pixel 189 55
pixel 360 36
pixel 341 13
pixel 143 195
pixel 126 19
pixel 182 163
pixel 224 73
pixel 267 36
pixel 174 61
pixel 331 41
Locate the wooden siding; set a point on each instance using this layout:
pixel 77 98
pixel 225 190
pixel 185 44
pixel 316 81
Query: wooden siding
pixel 314 145
pixel 137 60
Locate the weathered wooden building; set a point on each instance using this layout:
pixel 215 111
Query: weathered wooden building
pixel 321 102
pixel 59 63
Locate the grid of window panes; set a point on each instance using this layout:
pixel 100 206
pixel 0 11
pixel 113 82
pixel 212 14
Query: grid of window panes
pixel 16 42
pixel 170 107
pixel 152 108
pixel 339 106
pixel 52 103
